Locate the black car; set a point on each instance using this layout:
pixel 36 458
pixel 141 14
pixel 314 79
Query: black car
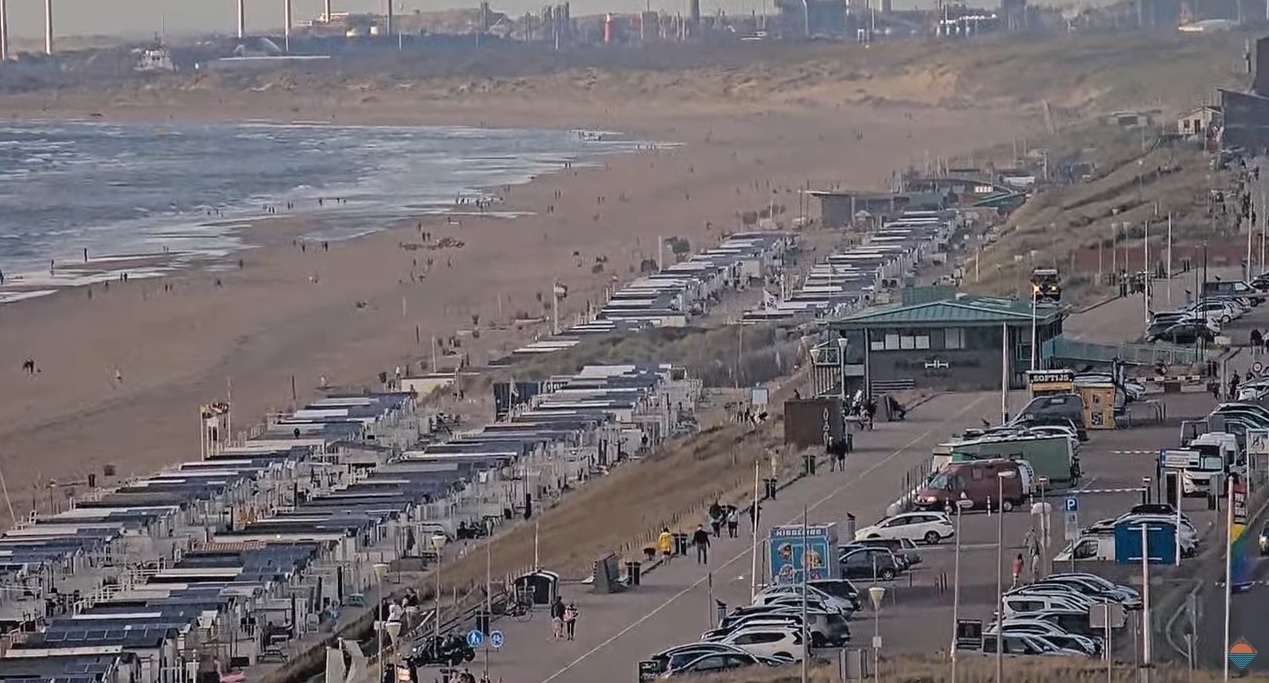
pixel 875 564
pixel 903 548
pixel 1184 334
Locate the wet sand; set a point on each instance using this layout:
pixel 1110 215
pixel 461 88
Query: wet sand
pixel 291 317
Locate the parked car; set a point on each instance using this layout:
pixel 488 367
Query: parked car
pixel 719 662
pixel 903 548
pixel 676 657
pixel 1021 645
pixel 769 641
pixel 839 588
pixel 1050 632
pixel 876 564
pixel 837 604
pixel 929 527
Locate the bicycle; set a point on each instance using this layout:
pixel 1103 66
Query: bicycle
pixel 520 607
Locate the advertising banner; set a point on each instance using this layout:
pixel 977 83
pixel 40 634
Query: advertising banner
pixel 794 547
pixel 1241 568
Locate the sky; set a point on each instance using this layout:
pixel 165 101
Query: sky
pixel 142 17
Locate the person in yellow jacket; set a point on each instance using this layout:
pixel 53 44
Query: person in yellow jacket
pixel 665 543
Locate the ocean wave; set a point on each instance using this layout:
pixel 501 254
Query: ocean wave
pixel 115 188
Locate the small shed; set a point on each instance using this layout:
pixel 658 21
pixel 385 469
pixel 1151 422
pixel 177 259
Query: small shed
pixel 541 586
pixel 1196 122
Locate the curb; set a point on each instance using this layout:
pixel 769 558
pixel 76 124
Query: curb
pixel 1097 304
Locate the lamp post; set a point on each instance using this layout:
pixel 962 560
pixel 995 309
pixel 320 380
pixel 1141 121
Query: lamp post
pixel 1000 561
pixel 1035 293
pixel 956 578
pixel 876 594
pixel 381 570
pixel 841 366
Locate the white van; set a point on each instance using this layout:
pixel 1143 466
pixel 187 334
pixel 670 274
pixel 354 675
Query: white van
pixel 1019 604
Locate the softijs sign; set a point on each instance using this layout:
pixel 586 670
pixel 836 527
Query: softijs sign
pixel 1050 376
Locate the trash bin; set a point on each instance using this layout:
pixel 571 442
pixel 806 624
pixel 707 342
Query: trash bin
pixel 634 570
pixel 680 543
pixel 808 463
pixel 720 612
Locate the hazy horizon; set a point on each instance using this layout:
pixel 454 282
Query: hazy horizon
pixel 144 18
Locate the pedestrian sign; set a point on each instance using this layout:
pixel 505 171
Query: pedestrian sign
pixel 475 637
pixel 495 639
pixel 1072 504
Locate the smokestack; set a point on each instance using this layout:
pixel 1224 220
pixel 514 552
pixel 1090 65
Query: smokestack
pixel 286 24
pixel 387 18
pixel 242 18
pixel 4 29
pixel 48 27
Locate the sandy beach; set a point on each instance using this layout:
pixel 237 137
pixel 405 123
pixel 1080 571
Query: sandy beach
pixel 121 374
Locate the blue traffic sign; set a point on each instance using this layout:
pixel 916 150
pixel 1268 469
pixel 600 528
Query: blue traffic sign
pixel 495 639
pixel 475 637
pixel 1072 504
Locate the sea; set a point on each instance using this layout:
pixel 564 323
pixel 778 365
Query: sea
pixel 167 196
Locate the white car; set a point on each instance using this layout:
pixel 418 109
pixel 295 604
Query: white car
pixel 1022 604
pixel 1069 644
pixel 1050 632
pixel 1065 592
pixel 840 604
pixel 768 641
pixel 1023 644
pixel 928 527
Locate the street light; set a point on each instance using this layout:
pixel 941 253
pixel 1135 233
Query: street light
pixel 841 365
pixel 961 504
pixel 876 593
pixel 381 570
pixel 1000 561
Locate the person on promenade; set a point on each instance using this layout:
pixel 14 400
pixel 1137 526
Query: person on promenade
pixel 557 618
pixel 570 620
pixel 733 521
pixel 700 539
pixel 665 543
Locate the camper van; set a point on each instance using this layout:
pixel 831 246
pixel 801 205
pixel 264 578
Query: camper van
pixel 977 482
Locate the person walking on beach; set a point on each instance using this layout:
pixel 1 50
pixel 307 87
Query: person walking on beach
pixel 665 543
pixel 570 620
pixel 733 521
pixel 701 540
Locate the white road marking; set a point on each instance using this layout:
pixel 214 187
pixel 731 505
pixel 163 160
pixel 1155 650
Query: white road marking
pixel 745 553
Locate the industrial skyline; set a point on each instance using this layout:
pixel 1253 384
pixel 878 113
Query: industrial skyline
pixel 144 18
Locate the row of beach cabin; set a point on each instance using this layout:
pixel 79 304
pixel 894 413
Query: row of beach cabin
pixel 853 277
pixel 227 558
